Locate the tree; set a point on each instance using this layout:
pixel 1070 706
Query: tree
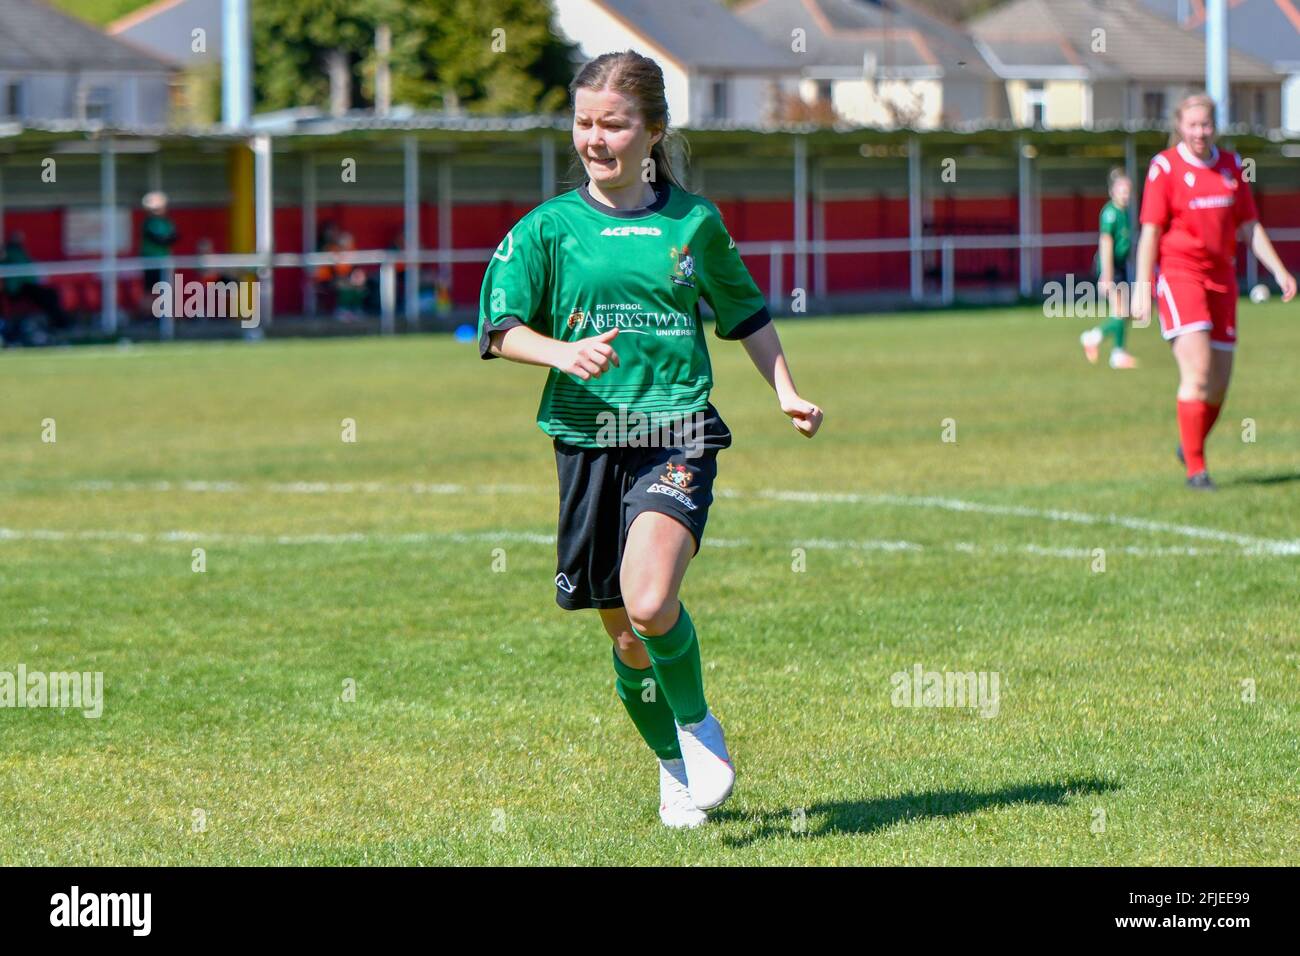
pixel 477 55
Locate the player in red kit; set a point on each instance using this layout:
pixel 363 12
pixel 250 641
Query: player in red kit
pixel 1196 203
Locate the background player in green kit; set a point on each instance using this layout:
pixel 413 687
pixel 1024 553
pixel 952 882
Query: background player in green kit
pixel 1110 266
pixel 602 284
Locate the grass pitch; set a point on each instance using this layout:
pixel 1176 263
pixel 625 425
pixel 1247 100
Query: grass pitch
pixel 1147 713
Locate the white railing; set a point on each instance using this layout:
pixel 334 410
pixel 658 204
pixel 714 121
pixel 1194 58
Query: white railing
pixel 389 260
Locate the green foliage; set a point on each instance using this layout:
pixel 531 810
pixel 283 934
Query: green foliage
pixel 99 12
pixel 478 55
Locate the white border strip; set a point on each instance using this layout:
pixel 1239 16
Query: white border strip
pixel 1248 543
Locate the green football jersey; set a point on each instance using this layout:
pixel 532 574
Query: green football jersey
pixel 1114 221
pixel 575 268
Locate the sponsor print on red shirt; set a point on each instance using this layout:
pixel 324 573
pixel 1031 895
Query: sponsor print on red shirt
pixel 1199 205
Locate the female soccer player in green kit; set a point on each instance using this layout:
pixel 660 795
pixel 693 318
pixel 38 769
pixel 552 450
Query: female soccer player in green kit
pixel 602 285
pixel 1111 267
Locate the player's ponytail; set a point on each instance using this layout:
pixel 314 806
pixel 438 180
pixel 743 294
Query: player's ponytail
pixel 640 79
pixel 1191 101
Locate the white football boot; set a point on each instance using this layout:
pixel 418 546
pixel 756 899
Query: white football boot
pixel 676 809
pixel 709 773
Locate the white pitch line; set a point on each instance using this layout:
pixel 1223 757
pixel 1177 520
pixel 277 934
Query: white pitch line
pixel 460 537
pixel 1244 541
pixel 1248 543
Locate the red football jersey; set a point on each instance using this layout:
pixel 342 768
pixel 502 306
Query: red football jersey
pixel 1199 205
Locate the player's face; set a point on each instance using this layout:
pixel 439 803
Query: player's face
pixel 1121 192
pixel 610 136
pixel 1196 129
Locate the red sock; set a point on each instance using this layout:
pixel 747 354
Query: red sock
pixel 1212 417
pixel 1192 418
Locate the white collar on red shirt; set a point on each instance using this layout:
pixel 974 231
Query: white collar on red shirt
pixel 1191 158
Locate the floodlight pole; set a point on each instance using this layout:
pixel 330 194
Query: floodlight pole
pixel 801 213
pixel 819 230
pixel 1026 219
pixel 411 224
pixel 108 236
pixel 547 147
pixel 236 61
pixel 263 212
pixel 445 213
pixel 308 175
pixel 914 225
pixel 1216 59
pixel 1131 170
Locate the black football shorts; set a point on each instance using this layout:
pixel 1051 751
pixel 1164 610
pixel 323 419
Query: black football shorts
pixel 603 489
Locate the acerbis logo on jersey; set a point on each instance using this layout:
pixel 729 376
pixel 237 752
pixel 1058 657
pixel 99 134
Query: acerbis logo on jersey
pixel 631 231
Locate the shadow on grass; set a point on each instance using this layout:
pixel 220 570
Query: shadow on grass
pixel 1278 479
pixel 868 816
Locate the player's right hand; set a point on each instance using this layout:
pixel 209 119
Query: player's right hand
pixel 590 357
pixel 1140 304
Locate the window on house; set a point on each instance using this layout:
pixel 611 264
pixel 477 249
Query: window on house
pixel 1153 107
pixel 718 105
pixel 1036 106
pixel 824 91
pixel 97 103
pixel 1261 108
pixel 11 100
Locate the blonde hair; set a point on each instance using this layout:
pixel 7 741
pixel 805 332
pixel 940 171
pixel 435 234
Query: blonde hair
pixel 641 80
pixel 1191 101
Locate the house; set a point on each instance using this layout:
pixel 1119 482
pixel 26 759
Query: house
pixel 1082 64
pixel 187 32
pixel 1268 30
pixel 882 62
pixel 717 69
pixel 56 67
pixel 184 31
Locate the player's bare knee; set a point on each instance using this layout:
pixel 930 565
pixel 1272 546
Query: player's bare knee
pixel 1194 387
pixel 652 611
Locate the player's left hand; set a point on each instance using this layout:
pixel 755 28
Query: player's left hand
pixel 804 416
pixel 1286 282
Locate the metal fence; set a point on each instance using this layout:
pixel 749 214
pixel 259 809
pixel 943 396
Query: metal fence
pixel 1028 248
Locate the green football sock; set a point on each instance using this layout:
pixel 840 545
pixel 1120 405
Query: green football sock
pixel 675 657
pixel 653 718
pixel 1116 327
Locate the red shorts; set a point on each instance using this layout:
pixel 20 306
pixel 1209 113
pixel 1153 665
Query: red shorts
pixel 1186 305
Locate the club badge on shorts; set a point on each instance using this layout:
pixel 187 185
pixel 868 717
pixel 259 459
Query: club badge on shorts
pixel 677 484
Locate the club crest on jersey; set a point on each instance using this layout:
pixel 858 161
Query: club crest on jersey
pixel 684 266
pixel 1190 178
pixel 679 477
pixel 575 318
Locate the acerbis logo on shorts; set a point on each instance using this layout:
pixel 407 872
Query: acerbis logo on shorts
pixel 564 584
pixel 671 492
